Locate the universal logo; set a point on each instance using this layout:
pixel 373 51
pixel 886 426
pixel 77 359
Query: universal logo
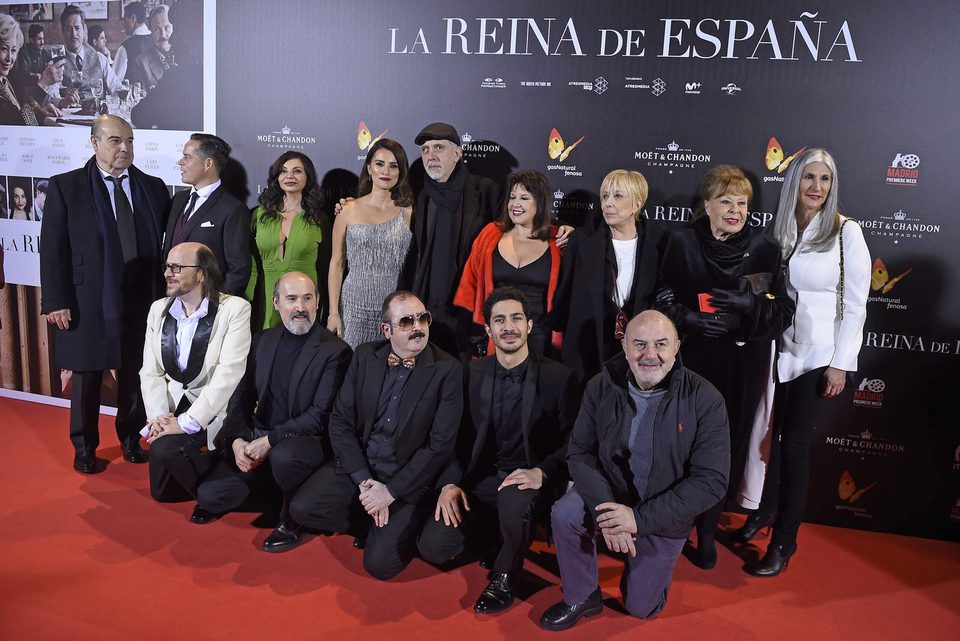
pixel 599 85
pixel 672 156
pixel 903 170
pixel 286 138
pixel 493 83
pixel 865 444
pixel 730 89
pixel 869 393
pixel 899 225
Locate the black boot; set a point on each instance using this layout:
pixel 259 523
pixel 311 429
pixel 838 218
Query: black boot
pixel 497 596
pixel 774 561
pixel 755 522
pixel 706 554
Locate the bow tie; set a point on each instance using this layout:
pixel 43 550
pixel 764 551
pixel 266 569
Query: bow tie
pixel 512 375
pixel 393 360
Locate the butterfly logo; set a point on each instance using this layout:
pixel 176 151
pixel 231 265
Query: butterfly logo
pixel 775 159
pixel 848 488
pixel 364 139
pixel 880 278
pixel 556 147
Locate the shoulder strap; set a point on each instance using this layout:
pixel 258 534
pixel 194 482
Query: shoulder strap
pixel 840 292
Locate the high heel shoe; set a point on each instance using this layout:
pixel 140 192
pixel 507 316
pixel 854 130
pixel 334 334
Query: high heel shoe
pixel 755 522
pixel 774 561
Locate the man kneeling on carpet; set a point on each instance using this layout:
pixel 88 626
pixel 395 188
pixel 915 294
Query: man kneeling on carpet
pixel 193 358
pixel 275 433
pixel 393 430
pixel 649 452
pixel 509 466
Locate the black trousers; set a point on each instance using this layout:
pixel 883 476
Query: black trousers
pixel 329 501
pixel 180 470
pixel 797 407
pixel 501 521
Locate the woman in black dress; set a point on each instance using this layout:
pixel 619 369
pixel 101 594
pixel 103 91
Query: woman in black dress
pixel 723 283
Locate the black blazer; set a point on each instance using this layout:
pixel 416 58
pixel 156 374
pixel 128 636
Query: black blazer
pixel 481 196
pixel 72 266
pixel 583 307
pixel 222 223
pixel 315 380
pixel 548 409
pixel 430 415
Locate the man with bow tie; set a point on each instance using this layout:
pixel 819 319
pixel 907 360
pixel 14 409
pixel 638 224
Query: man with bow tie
pixel 510 463
pixel 194 357
pixel 208 214
pixel 392 430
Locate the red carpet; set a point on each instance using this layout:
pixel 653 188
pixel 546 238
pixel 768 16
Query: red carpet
pixel 94 558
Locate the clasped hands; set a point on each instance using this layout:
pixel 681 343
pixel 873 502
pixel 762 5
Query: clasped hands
pixel 250 454
pixel 376 500
pixel 618 524
pixel 163 425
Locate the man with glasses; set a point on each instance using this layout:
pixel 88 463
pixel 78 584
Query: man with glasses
pixel 195 355
pixel 392 430
pixel 100 272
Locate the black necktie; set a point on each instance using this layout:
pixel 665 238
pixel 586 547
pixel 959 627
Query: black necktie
pixel 188 210
pixel 125 224
pixel 79 62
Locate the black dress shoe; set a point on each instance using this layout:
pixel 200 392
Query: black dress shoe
pixel 283 538
pixel 201 516
pixel 754 523
pixel 497 596
pixel 360 541
pixel 704 556
pixel 561 616
pixel 134 454
pixel 85 463
pixel 774 561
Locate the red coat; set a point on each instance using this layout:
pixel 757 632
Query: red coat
pixel 476 284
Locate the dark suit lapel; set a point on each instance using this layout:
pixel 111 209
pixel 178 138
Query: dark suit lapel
pixel 199 215
pixel 530 391
pixel 168 346
pixel 485 372
pixel 373 375
pixel 201 339
pixel 300 367
pixel 420 377
pixel 266 353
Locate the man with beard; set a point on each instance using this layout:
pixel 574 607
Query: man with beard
pixel 275 433
pixel 649 452
pixel 99 273
pixel 196 347
pixel 509 464
pixel 148 67
pixel 450 211
pixel 392 430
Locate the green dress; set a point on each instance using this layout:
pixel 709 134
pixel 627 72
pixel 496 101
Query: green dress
pixel 305 252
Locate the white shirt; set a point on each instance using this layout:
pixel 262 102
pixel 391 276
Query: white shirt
pixel 186 329
pixel 818 337
pixel 120 59
pixel 203 193
pixel 626 251
pixel 111 186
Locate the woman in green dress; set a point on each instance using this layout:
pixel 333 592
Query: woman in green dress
pixel 291 234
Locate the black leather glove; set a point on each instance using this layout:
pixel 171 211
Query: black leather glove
pixel 664 298
pixel 726 300
pixel 706 325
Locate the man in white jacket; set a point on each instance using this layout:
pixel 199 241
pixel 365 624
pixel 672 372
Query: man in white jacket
pixel 194 356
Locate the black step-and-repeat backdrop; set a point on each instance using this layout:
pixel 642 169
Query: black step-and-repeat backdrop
pixel 576 89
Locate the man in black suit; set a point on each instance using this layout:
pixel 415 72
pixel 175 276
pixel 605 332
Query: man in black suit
pixel 450 211
pixel 510 456
pixel 392 430
pixel 208 214
pixel 100 271
pixel 276 427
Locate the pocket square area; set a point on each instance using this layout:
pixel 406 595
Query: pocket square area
pixel 206 223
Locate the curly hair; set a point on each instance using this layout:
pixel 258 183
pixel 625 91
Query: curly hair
pixel 271 198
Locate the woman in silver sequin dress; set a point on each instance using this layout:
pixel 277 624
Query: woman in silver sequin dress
pixel 371 238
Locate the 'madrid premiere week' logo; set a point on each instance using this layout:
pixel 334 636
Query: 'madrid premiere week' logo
pixel 558 150
pixel 775 161
pixel 903 170
pixel 869 393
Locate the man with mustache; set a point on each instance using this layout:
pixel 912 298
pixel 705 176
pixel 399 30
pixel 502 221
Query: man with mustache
pixel 148 67
pixel 451 209
pixel 392 430
pixel 100 272
pixel 196 348
pixel 275 433
pixel 81 57
pixel 649 452
pixel 509 465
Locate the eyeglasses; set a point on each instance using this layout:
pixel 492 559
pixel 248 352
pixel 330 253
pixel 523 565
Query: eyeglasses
pixel 406 323
pixel 175 268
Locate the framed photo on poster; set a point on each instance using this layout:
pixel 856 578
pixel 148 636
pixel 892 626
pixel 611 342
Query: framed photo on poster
pixel 32 12
pixel 93 10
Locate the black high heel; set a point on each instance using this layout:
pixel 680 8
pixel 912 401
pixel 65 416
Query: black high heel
pixel 774 561
pixel 755 522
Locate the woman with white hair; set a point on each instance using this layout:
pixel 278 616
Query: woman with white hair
pixel 12 112
pixel 828 275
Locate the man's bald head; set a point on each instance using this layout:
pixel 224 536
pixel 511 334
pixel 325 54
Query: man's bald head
pixel 650 346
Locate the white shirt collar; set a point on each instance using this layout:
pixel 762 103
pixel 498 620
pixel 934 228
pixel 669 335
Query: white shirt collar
pixel 204 192
pixel 177 311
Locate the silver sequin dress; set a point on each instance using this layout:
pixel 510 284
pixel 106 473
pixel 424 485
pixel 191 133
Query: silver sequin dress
pixel 375 256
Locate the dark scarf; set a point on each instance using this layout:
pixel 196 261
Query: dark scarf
pixel 112 268
pixel 725 256
pixel 447 196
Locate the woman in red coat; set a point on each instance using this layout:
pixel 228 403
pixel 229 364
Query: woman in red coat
pixel 517 250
